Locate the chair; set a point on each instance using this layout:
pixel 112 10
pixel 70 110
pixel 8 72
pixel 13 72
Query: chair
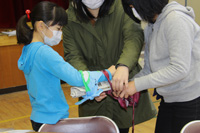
pixel 191 127
pixel 95 124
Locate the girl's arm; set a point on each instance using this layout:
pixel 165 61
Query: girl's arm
pixel 55 64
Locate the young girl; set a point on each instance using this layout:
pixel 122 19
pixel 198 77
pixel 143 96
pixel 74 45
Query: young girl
pixel 43 67
pixel 172 61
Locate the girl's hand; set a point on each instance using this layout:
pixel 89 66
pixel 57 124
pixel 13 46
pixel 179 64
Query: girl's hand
pixel 131 90
pixel 120 79
pixel 112 69
pixel 101 97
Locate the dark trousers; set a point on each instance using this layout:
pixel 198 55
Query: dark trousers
pixel 173 116
pixel 36 126
pixel 123 130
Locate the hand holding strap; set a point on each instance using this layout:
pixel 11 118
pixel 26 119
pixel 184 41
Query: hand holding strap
pixel 124 102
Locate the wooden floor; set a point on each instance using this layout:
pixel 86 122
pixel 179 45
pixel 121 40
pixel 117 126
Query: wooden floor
pixel 15 110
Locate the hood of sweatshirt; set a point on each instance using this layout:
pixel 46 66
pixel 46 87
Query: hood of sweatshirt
pixel 174 6
pixel 26 59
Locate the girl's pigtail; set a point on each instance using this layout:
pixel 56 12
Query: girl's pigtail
pixel 24 32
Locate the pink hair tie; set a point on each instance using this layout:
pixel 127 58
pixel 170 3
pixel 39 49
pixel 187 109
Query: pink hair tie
pixel 28 14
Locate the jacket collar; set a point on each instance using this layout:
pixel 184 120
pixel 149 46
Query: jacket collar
pixel 88 26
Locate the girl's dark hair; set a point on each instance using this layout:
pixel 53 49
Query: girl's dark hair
pixel 128 10
pixel 44 11
pixel 147 9
pixel 84 15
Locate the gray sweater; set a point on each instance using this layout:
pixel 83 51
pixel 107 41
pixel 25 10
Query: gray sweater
pixel 172 55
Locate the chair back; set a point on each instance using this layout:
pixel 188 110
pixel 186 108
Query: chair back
pixel 191 127
pixel 95 124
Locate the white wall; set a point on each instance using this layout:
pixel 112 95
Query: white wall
pixel 195 4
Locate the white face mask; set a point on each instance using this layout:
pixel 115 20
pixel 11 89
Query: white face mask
pixel 93 4
pixel 136 14
pixel 55 40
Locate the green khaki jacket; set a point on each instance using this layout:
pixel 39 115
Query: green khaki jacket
pixel 113 39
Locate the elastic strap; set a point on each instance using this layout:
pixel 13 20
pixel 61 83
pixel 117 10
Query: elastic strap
pixel 85 82
pixel 107 77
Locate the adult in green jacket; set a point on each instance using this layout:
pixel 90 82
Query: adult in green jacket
pixel 99 35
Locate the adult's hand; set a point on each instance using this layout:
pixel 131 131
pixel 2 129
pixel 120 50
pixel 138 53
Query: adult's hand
pixel 120 80
pixel 112 69
pixel 131 90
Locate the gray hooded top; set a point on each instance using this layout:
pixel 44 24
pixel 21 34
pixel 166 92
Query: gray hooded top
pixel 172 55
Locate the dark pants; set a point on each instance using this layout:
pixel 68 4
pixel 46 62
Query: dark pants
pixel 123 130
pixel 173 116
pixel 36 126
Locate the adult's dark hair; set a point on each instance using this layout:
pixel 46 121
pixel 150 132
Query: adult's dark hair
pixel 147 9
pixel 44 11
pixel 84 15
pixel 128 10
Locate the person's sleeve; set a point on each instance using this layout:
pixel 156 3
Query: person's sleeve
pixel 146 69
pixel 179 36
pixel 72 53
pixel 55 64
pixel 133 42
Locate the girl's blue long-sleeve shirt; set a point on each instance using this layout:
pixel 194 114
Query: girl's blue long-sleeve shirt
pixel 43 69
